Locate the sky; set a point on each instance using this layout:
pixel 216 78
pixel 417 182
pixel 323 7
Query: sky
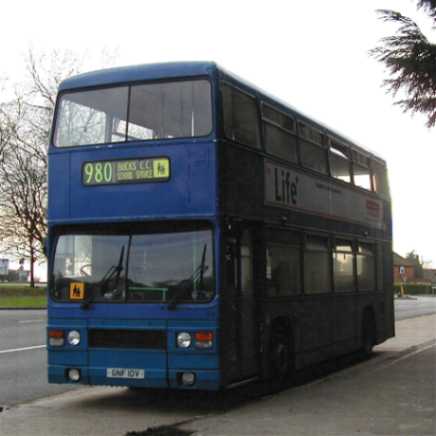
pixel 313 55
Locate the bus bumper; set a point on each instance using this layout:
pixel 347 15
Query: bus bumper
pixel 208 380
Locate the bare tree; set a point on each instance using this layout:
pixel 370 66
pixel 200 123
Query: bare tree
pixel 410 59
pixel 23 186
pixel 24 135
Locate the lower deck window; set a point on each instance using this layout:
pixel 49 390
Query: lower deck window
pixel 282 270
pixel 343 266
pixel 316 266
pixel 365 261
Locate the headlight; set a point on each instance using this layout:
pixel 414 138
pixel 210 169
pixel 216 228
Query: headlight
pixel 183 340
pixel 73 337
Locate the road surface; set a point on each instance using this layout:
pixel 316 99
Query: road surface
pixel 23 355
pixel 417 306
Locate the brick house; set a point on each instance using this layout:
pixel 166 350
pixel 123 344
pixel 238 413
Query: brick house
pixel 412 269
pixel 430 276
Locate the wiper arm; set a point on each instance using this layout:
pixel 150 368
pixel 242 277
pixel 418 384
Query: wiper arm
pixel 197 275
pixel 114 271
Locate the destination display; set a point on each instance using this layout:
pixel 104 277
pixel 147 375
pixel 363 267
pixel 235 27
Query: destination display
pixel 292 189
pixel 126 171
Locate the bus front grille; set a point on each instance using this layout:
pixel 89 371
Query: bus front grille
pixel 107 338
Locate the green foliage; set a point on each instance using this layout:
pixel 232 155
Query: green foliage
pixel 22 296
pixel 410 59
pixel 414 289
pixel 23 302
pixel 20 290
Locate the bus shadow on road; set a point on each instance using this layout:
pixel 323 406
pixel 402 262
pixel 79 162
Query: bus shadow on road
pixel 201 403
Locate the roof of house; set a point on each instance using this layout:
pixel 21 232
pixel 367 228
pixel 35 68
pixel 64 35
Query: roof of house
pixel 402 261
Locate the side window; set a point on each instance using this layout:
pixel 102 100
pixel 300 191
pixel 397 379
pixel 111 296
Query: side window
pixel 313 154
pixel 380 266
pixel 365 261
pixel 340 164
pixel 240 117
pixel 316 265
pixel 279 134
pixel 246 253
pixel 343 266
pixel 362 173
pixel 282 269
pixel 379 178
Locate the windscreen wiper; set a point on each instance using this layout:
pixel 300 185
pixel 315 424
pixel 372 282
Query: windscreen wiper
pixel 113 272
pixel 184 284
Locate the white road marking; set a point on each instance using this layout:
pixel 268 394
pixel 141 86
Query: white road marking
pixel 13 350
pixel 29 321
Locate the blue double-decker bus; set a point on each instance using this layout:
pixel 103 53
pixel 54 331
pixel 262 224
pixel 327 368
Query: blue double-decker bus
pixel 203 234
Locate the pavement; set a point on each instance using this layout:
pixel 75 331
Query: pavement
pixel 393 393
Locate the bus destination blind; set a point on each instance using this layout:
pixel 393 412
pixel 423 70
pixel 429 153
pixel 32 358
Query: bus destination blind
pixel 125 171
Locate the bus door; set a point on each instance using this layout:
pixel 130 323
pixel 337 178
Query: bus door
pixel 240 312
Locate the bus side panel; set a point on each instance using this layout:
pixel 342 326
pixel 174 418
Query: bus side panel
pixel 388 290
pixel 241 181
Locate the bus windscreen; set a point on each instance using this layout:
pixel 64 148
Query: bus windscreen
pixel 149 111
pixel 150 267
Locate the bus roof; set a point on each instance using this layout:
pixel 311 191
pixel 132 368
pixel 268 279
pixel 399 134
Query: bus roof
pixel 137 73
pixel 134 73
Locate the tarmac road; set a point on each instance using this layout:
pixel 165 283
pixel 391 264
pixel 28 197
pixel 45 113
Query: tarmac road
pixel 412 308
pixel 393 393
pixel 23 356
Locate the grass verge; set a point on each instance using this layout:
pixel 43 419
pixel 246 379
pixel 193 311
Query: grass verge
pixel 23 302
pixel 21 296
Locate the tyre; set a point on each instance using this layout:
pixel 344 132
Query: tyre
pixel 368 334
pixel 282 359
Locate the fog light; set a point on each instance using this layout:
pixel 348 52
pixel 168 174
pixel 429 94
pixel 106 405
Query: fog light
pixel 74 374
pixel 188 378
pixel 73 337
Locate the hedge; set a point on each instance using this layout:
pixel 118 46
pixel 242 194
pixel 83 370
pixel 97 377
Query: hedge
pixel 415 289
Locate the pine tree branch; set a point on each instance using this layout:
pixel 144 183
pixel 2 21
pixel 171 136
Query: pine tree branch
pixel 411 62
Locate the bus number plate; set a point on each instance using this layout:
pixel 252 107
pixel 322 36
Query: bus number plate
pixel 112 172
pixel 125 373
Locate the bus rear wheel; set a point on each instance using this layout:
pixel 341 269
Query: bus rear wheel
pixel 281 359
pixel 368 334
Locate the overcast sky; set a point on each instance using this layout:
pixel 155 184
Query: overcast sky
pixel 313 55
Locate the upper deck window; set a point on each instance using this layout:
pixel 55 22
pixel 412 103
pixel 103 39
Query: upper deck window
pixel 92 117
pixel 240 117
pixel 379 178
pixel 313 155
pixel 170 110
pixel 164 110
pixel 339 164
pixel 362 176
pixel 279 133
